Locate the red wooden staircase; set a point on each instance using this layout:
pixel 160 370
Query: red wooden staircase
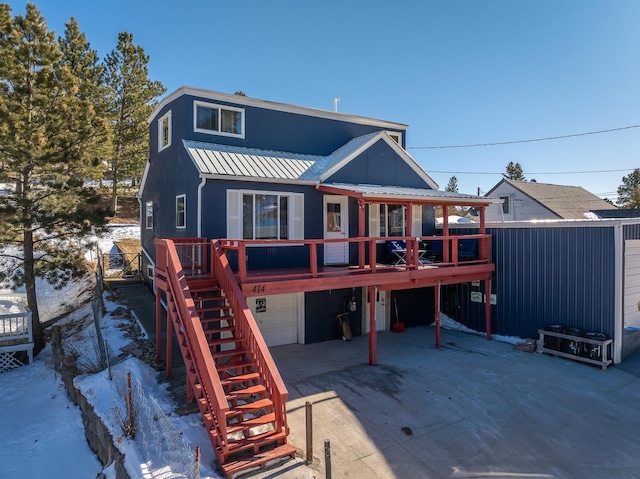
pixel 230 372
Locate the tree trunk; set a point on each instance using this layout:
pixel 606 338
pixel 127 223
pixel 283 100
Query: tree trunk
pixel 114 193
pixel 30 285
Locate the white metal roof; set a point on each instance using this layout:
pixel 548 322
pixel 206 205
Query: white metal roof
pixel 417 194
pixel 225 160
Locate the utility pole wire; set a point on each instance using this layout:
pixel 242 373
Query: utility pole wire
pixel 522 141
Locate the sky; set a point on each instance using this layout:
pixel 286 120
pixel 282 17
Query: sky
pixel 458 72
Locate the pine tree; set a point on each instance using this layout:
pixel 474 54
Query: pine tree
pixel 452 186
pixel 514 172
pixel 629 190
pixel 45 127
pixel 83 62
pixel 131 99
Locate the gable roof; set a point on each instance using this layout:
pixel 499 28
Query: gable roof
pixel 212 159
pixel 357 146
pixel 567 202
pixel 272 105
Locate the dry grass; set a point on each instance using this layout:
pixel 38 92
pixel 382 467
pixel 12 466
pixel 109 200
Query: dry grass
pixel 128 245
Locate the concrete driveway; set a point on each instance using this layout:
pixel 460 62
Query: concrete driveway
pixel 473 409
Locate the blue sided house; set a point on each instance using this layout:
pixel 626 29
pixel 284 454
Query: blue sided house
pixel 266 224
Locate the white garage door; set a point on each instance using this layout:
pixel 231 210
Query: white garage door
pixel 632 284
pixel 277 317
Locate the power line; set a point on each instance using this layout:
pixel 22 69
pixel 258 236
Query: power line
pixel 522 141
pixel 531 173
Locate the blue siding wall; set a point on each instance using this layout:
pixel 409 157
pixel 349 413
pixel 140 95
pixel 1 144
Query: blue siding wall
pixel 172 173
pixel 379 165
pixel 544 276
pixel 321 309
pixel 214 222
pixel 280 131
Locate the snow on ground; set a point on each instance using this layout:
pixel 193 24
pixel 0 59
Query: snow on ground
pixel 42 434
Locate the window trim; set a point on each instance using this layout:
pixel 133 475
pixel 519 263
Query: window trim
pixel 506 204
pixel 148 213
pixel 295 214
pixel 184 211
pixel 374 213
pixel 204 104
pixel 166 116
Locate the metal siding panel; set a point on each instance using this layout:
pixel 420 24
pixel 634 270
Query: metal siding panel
pixel 547 276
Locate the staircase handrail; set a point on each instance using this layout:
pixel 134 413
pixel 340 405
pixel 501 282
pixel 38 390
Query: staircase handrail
pixel 250 334
pixel 212 388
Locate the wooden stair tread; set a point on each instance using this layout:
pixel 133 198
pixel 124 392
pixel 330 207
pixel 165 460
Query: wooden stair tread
pixel 239 379
pixel 228 352
pixel 221 341
pixel 219 318
pixel 223 329
pixel 259 460
pixel 238 393
pixel 251 423
pixel 250 406
pixel 234 365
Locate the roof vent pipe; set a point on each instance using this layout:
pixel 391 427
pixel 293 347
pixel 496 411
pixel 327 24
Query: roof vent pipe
pixel 335 103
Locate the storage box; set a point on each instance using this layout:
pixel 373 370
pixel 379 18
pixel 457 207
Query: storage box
pixel 528 346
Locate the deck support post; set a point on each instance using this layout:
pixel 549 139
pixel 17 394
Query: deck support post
pixel 487 306
pixel 373 356
pixel 437 303
pixel 158 327
pixel 361 232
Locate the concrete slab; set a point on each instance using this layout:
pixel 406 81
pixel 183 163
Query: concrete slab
pixel 473 408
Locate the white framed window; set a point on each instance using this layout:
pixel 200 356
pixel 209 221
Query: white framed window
pixel 396 136
pixel 150 272
pixel 265 215
pixel 218 119
pixel 391 220
pixel 164 131
pixel 181 217
pixel 505 204
pixel 148 214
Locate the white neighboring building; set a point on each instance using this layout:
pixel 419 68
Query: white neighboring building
pixel 527 200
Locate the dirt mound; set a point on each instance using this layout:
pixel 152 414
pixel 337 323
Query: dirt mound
pixel 128 208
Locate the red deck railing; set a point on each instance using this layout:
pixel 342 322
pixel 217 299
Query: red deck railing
pixel 213 392
pixel 251 337
pixel 450 254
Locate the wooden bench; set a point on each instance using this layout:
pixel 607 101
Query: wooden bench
pixel 604 360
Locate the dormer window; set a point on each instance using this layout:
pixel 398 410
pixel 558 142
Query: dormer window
pixel 217 119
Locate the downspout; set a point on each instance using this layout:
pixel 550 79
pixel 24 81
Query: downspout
pixel 618 292
pixel 200 187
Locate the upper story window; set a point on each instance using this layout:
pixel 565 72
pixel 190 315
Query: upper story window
pixel 265 215
pixel 181 216
pixel 164 131
pixel 218 119
pixel 505 204
pixel 148 208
